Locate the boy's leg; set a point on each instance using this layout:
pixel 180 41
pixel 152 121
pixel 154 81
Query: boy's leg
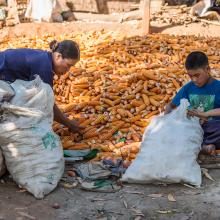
pixel 211 139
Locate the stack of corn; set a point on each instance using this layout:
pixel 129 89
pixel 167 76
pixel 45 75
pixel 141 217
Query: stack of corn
pixel 119 84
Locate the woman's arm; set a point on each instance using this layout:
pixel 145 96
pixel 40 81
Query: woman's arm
pixel 61 118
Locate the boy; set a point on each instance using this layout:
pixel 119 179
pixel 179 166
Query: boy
pixel 203 93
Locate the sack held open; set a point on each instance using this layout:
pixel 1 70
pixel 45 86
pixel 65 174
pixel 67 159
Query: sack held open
pixel 169 150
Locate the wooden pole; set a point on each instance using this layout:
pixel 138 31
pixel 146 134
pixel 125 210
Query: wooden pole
pixel 146 17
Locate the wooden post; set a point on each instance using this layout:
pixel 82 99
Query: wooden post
pixel 13 17
pixel 146 16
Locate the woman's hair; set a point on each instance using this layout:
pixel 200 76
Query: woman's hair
pixel 68 49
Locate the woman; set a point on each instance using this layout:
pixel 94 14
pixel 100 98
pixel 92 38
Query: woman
pixel 26 63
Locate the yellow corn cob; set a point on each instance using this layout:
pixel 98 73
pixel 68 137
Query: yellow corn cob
pixel 91 69
pixel 55 86
pixel 119 145
pixel 91 133
pixel 82 80
pixel 122 112
pixel 136 103
pixel 81 86
pixel 158 97
pixel 94 103
pixel 130 97
pixel 114 119
pixel 137 89
pixel 97 98
pixel 117 101
pixel 151 114
pixel 68 107
pixel 124 130
pixel 166 98
pixel 135 118
pixel 135 127
pixel 99 108
pixel 140 108
pixel 113 97
pixel 108 102
pixel 156 90
pixel 176 84
pixel 128 106
pixel 170 91
pixel 141 123
pixel 78 146
pixel 67 143
pixel 154 102
pixel 126 125
pixel 77 91
pixel 107 135
pixel 130 115
pixel 56 126
pixel 118 116
pixel 214 58
pixel 149 75
pixel 145 85
pixel 71 98
pixel 65 76
pixel 148 93
pixel 99 119
pixel 87 122
pixel 146 99
pixel 89 128
pixel 81 105
pixel 136 137
pixel 82 99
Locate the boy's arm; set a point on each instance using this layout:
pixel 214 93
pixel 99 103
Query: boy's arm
pixel 181 94
pixel 169 107
pixel 210 113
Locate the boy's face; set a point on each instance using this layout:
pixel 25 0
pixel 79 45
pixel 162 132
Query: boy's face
pixel 199 76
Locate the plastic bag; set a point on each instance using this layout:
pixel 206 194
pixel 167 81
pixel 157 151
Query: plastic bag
pixel 169 150
pixel 32 151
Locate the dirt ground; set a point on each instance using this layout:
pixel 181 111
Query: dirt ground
pixel 133 201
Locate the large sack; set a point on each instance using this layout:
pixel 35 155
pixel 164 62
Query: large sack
pixel 169 150
pixel 44 10
pixel 33 152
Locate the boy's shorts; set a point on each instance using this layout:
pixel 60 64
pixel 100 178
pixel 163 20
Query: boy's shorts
pixel 211 130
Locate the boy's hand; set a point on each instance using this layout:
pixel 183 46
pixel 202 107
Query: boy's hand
pixel 197 113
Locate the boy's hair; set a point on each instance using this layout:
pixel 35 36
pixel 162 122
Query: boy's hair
pixel 196 60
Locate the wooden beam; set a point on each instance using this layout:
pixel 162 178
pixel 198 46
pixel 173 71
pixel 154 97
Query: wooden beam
pixel 210 166
pixel 146 17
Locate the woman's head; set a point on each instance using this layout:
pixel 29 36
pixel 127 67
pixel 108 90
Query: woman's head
pixel 64 54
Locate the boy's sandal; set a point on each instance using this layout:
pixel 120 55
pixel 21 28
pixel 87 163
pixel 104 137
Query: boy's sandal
pixel 208 149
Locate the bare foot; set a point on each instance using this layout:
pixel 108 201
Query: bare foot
pixel 208 149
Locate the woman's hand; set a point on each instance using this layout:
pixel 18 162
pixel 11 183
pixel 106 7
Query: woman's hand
pixel 74 126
